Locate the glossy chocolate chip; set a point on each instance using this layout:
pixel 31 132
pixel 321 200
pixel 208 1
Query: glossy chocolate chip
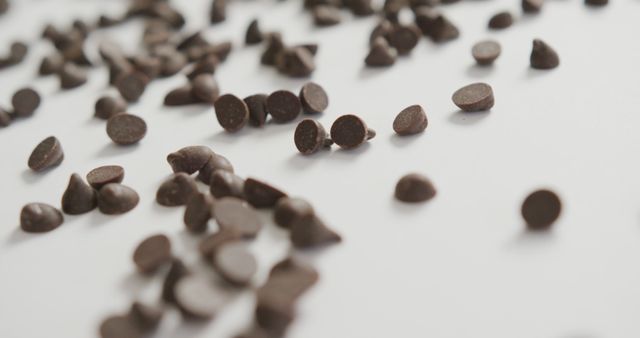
pixel 103 175
pixel 40 217
pixel 115 198
pixel 541 209
pixel 189 159
pixel 79 197
pixel 198 212
pixel 474 97
pixel 152 253
pixel 126 129
pixel 413 188
pixel 232 113
pixel 411 120
pixel 236 215
pixel 350 131
pixel 47 154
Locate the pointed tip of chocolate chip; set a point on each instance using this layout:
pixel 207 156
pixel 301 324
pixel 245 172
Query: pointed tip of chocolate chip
pixel 380 54
pixel 254 34
pixel 260 194
pixel 310 232
pixel 79 197
pixel 543 56
pixel 413 188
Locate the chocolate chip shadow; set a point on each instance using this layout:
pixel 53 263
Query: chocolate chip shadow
pixel 462 118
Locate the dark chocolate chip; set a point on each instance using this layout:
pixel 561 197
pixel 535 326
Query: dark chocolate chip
pixel 218 11
pixel 131 85
pixel 74 52
pixel 541 209
pixel 295 62
pixel 283 106
pixel 180 96
pixel 237 215
pixel 310 231
pixel 253 35
pixel 72 76
pixel 435 25
pixel 101 176
pixel 235 263
pixel 176 190
pixel 211 243
pixel 596 3
pixel 413 188
pixel 107 106
pixel 289 209
pixel 51 64
pixel 485 52
pixel 381 54
pixel 177 271
pixel 148 66
pixel 189 159
pixel 257 109
pixel 275 46
pixel 207 65
pixel 311 47
pixel 47 154
pixel 404 38
pixel 119 327
pixel 350 131
pixel 314 98
pixel 193 40
pixel 411 120
pixel 532 6
pixel 501 20
pixel 79 197
pixel 360 7
pixel 474 97
pixel 25 101
pixel 146 317
pixel 324 16
pixel 381 30
pixel 115 199
pixel 216 162
pixel 205 88
pixel 260 194
pixel 152 253
pixel 224 183
pixel 232 113
pixel 198 212
pixel 5 117
pixel 126 129
pixel 310 136
pixel 40 217
pixel 197 298
pixel 543 56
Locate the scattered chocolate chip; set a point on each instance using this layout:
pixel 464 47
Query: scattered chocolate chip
pixel 74 52
pixel 413 188
pixel 289 209
pixel 257 109
pixel 115 199
pixel 17 53
pixel 597 3
pixel 350 131
pixel 501 20
pixel 310 231
pixel 176 190
pixel 206 65
pixel 145 317
pixel 5 117
pixel 295 62
pixel 314 98
pixel 218 11
pixel 189 159
pixel 107 21
pixel 4 6
pixel 235 263
pixel 311 47
pixel 79 197
pixel 181 96
pixel 47 154
pixel 205 88
pixel 435 25
pixel 40 217
pixel 232 113
pixel 51 64
pixel 177 271
pixel 126 129
pixel 360 7
pixel 310 136
pixel 532 6
pixel 236 215
pixel 131 85
pixel 25 101
pixel 485 52
pixel 381 30
pixel 411 120
pixel 404 38
pixel 474 97
pixel 211 243
pixel 253 35
pixel 216 162
pixel 224 183
pixel 381 54
pixel 283 106
pixel 540 209
pixel 148 66
pixel 198 212
pixel 72 76
pixel 275 46
pixel 543 56
pixel 152 253
pixel 197 298
pixel 119 327
pixel 260 194
pixel 101 176
pixel 107 106
pixel 324 16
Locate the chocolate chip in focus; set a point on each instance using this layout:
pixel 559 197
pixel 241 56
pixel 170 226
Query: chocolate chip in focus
pixel 283 106
pixel 25 101
pixel 260 194
pixel 350 131
pixel 314 98
pixel 79 197
pixel 414 188
pixel 115 199
pixel 181 96
pixel 543 56
pixel 47 154
pixel 541 209
pixel 176 190
pixel 198 212
pixel 236 215
pixel 486 52
pixel 501 20
pixel 152 253
pixel 190 159
pixel 232 113
pixel 257 105
pixel 126 129
pixel 289 209
pixel 411 120
pixel 235 263
pixel 310 136
pixel 474 97
pixel 104 175
pixel 40 217
pixel 108 106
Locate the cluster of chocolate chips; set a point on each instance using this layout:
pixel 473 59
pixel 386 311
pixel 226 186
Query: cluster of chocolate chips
pixel 25 101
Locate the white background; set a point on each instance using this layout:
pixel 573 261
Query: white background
pixel 458 266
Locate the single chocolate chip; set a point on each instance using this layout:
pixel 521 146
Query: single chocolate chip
pixel 283 106
pixel 126 129
pixel 211 243
pixel 107 106
pixel 253 35
pixel 260 194
pixel 236 215
pixel 275 46
pixel 197 298
pixel 295 62
pixel 411 120
pixel 25 101
pixel 189 159
pixel 532 6
pixel 381 30
pixel 257 105
pixel 413 188
pixel 310 136
pixel 152 253
pixel 218 11
pixel 435 25
pixel 597 3
pixel 404 38
pixel 540 209
pixel 172 62
pixel 198 212
pixel 4 6
pixel 131 85
pixel 224 183
pixel 205 88
pixel 360 7
pixel 207 65
pixel 501 20
pixel 176 190
pixel 5 117
pixel 310 231
pixel 51 64
pixel 235 263
pixel 543 56
pixel 119 327
pixel 101 176
pixel 17 52
pixel 146 317
pixel 381 54
pixel 289 209
pixel 72 76
pixel 216 162
pixel 79 197
pixel 314 98
pixel 474 97
pixel 485 52
pixel 181 96
pixel 115 199
pixel 324 16
pixel 47 154
pixel 232 113
pixel 350 131
pixel 40 217
pixel 177 271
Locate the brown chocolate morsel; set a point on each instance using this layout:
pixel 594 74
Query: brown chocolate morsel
pixel 260 194
pixel 79 197
pixel 176 190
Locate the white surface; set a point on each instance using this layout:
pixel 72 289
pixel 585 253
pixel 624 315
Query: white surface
pixel 459 266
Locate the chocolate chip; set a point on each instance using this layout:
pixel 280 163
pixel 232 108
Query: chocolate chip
pixel 207 65
pixel 74 52
pixel 404 38
pixel 177 271
pixel 360 7
pixel 180 96
pixel 5 117
pixel 107 106
pixel 310 231
pixel 541 209
pixel 218 11
pixel 115 199
pixel 17 53
pixel 324 16
pixel 216 162
pixel 119 327
pixel 381 30
pixel 380 54
pixel 501 20
pixel 205 88
pixel 474 97
pixel 232 113
pixel 260 194
pixel 171 61
pixel 310 136
pixel 543 56
pixel 101 176
pixel 224 183
pixel 435 25
pixel 411 120
pixel 235 263
pixel 176 190
pixel 4 6
pixel 532 6
pixel 253 35
pixel 311 47
pixel 275 46
pixel 197 298
pixel 257 109
pixel 314 98
pixel 40 217
pixel 350 131
pixel 194 40
pixel 283 106
pixel 72 76
pixel 47 154
pixel 198 212
pixel 597 3
pixel 289 209
pixel 79 197
pixel 413 188
pixel 144 316
pixel 152 253
pixel 485 52
pixel 51 64
pixel 107 21
pixel 211 243
pixel 295 62
pixel 236 215
pixel 131 85
pixel 126 129
pixel 189 159
pixel 25 101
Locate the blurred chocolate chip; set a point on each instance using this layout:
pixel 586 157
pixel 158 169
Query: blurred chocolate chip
pixel 314 98
pixel 310 136
pixel 411 120
pixel 72 76
pixel 126 129
pixel 206 65
pixel 105 21
pixel 152 253
pixel 283 106
pixel 324 16
pixel 211 243
pixel 193 40
pixel 289 209
pixel 260 194
pixel 146 317
pixel 198 298
pixel 350 131
pixel 189 159
pixel 25 101
pixel 205 88
pixel 404 38
pixel 148 66
pixel 435 25
pixel 5 117
pixel 596 3
pixel 40 217
pixel 501 20
pixel 295 62
pixel 543 56
pixel 51 64
pixel 119 327
pixel 380 54
pixel 257 109
pixel 275 46
pixel 176 190
pixel 79 197
pixel 235 263
pixel 131 85
pixel 107 106
pixel 218 11
pixel 177 271
pixel 360 7
pixel 485 52
pixel 541 209
pixel 224 183
pixel 47 154
pixel 115 198
pixel 414 188
pixel 232 113
pixel 532 6
pixel 474 97
pixel 381 30
pixel 181 96
pixel 237 215
pixel 253 35
pixel 104 175
pixel 74 52
pixel 198 212
pixel 216 162
pixel 310 231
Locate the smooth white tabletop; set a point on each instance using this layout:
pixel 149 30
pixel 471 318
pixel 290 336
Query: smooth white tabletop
pixel 459 266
